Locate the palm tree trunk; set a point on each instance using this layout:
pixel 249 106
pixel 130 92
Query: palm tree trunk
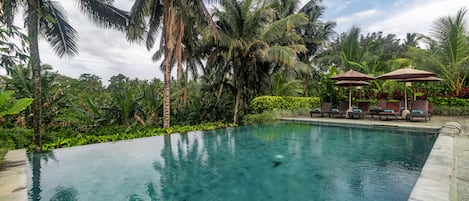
pixel 35 62
pixel 179 37
pixel 180 34
pixel 169 22
pixel 236 107
pixel 186 83
pixel 238 95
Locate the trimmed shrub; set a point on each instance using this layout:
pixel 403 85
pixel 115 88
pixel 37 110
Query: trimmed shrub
pixel 259 118
pixel 91 139
pixel 451 110
pixel 269 103
pixel 453 101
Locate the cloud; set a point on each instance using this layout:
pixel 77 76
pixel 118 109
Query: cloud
pixel 101 52
pixel 106 52
pixel 336 6
pixel 400 17
pixel 416 17
pixel 358 16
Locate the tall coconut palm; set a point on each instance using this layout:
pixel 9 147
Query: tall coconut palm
pixel 169 14
pixel 47 18
pixel 449 48
pixel 253 42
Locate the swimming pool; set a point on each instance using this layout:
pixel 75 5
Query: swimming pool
pixel 280 161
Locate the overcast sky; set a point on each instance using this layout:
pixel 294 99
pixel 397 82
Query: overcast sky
pixel 106 53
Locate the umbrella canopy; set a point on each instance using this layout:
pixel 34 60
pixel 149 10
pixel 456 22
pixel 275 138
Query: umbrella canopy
pixel 352 75
pixel 405 73
pixel 351 83
pixel 421 79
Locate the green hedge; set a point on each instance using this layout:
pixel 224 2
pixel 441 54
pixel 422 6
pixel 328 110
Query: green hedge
pixel 268 103
pixel 459 102
pixel 91 139
pixel 16 138
pixel 259 118
pixel 451 110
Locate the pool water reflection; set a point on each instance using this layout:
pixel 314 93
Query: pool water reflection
pixel 280 161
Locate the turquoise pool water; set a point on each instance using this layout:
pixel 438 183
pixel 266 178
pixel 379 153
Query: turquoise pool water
pixel 280 161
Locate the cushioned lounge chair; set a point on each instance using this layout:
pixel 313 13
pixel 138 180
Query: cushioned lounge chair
pixel 363 109
pixel 343 107
pixel 393 109
pixel 430 108
pixel 325 109
pixel 419 109
pixel 380 106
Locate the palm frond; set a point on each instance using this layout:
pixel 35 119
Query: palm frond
pixel 156 15
pixel 281 55
pixel 136 27
pixel 283 26
pixel 104 14
pixel 60 35
pixel 9 9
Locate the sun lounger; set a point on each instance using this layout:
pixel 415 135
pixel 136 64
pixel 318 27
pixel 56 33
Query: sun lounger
pixel 325 109
pixel 392 110
pixel 343 107
pixel 380 106
pixel 362 110
pixel 419 109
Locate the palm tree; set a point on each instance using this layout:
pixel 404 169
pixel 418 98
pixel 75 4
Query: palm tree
pixel 252 44
pixel 48 18
pixel 316 33
pixel 350 48
pixel 449 48
pixel 169 13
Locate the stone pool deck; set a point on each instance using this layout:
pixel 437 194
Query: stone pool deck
pixel 13 186
pixel 445 175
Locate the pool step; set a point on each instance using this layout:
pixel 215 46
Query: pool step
pixel 454 125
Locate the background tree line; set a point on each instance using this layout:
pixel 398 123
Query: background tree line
pixel 252 48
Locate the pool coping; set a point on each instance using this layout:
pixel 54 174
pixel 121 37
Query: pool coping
pixel 13 177
pixel 436 181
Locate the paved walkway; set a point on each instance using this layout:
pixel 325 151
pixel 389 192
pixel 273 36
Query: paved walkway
pixel 13 177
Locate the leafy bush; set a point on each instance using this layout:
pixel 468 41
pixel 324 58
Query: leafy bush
pixel 450 101
pixel 16 138
pixel 451 110
pixel 2 154
pixel 121 135
pixel 259 118
pixel 269 103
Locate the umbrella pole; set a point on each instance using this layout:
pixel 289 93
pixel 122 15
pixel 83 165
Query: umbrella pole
pixel 405 111
pixel 350 97
pixel 405 96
